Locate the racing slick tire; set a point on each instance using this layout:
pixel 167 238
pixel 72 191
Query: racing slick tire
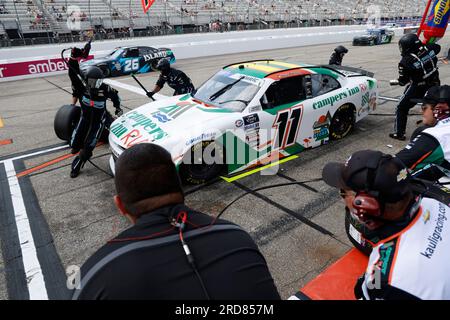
pixel 343 122
pixel 66 119
pixel 193 172
pixel 106 71
pixel 358 242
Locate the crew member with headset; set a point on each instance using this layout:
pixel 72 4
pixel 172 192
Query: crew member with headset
pixel 176 79
pixel 338 55
pixel 418 71
pixel 410 233
pixel 76 54
pixel 93 117
pixel 171 251
pixel 431 143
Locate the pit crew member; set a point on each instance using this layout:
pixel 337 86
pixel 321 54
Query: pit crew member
pixel 418 71
pixel 176 79
pixel 93 117
pixel 410 234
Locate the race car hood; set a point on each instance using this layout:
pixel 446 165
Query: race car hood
pixel 176 119
pixel 92 62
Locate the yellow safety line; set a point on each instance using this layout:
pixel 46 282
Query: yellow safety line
pixel 248 173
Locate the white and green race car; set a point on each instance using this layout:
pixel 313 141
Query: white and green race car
pixel 248 114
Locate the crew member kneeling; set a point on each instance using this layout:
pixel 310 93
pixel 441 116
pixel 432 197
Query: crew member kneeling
pixel 410 234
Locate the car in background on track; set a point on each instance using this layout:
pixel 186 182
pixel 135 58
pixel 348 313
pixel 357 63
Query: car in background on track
pixel 249 113
pixel 129 60
pixel 374 37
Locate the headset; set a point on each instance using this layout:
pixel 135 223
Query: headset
pixel 367 202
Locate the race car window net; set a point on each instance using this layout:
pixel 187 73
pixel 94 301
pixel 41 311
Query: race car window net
pixel 226 91
pixel 283 92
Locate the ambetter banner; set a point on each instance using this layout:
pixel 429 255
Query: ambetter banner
pixel 27 69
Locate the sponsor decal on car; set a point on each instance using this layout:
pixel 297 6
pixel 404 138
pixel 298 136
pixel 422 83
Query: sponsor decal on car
pixel 202 137
pixel 140 121
pixel 330 101
pixel 365 104
pixel 321 127
pixel 156 55
pixel 239 123
pixel 251 122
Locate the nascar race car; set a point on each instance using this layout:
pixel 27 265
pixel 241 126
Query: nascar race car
pixel 248 114
pixel 374 37
pixel 127 60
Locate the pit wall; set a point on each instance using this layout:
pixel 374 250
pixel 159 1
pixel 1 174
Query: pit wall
pixel 40 61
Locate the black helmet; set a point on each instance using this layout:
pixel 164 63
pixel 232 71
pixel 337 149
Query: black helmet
pixel 341 50
pixel 163 65
pixel 94 77
pixel 409 43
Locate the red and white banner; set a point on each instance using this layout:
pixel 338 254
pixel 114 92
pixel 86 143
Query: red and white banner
pixel 28 69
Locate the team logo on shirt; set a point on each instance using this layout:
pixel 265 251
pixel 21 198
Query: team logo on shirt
pixel 426 216
pixel 402 175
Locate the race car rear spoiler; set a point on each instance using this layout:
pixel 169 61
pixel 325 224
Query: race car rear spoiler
pixel 348 72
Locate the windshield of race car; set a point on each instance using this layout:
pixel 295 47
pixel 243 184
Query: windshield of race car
pixel 229 90
pixel 115 54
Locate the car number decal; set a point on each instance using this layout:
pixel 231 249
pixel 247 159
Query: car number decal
pixel 131 65
pixel 286 125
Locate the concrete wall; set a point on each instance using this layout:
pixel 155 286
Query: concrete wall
pixel 186 46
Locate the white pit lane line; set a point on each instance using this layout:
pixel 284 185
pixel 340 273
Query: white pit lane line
pixel 131 88
pixel 33 271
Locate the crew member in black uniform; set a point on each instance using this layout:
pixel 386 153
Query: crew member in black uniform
pixel 171 251
pixel 419 72
pixel 93 117
pixel 338 55
pixel 76 55
pixel 176 79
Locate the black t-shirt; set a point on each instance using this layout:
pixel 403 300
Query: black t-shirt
pixel 228 261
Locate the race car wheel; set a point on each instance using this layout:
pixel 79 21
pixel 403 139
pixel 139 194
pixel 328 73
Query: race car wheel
pixel 343 122
pixel 66 120
pixel 351 228
pixel 106 71
pixel 195 170
pixel 372 42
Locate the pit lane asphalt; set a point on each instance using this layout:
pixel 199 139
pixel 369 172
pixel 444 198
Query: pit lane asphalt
pixel 70 218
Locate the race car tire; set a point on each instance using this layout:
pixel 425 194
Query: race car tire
pixel 363 246
pixel 372 43
pixel 343 122
pixel 106 71
pixel 66 119
pixel 200 173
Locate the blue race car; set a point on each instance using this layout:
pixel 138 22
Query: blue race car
pixel 129 60
pixel 374 37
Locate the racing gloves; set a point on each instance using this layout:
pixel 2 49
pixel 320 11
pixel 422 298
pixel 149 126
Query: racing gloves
pixel 150 94
pixel 119 111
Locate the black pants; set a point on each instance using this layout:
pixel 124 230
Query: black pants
pixel 412 91
pixel 88 130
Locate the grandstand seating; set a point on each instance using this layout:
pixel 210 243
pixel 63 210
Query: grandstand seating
pixel 52 15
